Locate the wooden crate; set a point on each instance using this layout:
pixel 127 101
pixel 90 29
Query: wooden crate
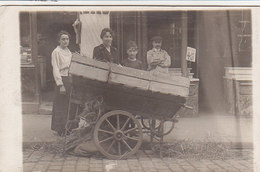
pixel 138 102
pixel 89 68
pixel 129 77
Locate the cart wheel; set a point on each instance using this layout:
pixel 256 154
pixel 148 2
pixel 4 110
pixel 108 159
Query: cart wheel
pixel 118 134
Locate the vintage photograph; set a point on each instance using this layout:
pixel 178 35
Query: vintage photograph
pixel 131 89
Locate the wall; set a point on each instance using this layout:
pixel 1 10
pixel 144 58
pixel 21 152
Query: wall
pixel 218 48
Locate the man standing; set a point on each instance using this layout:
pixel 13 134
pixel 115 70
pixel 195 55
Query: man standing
pixel 158 58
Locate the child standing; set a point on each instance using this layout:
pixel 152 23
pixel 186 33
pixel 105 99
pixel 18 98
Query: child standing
pixel 131 60
pixel 158 58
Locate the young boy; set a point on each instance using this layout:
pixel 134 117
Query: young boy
pixel 158 58
pixel 131 60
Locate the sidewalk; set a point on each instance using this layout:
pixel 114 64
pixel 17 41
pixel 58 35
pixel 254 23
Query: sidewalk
pixel 220 128
pixel 142 161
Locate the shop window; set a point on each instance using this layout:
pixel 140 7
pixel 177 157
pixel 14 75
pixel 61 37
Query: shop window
pixel 142 26
pixel 25 42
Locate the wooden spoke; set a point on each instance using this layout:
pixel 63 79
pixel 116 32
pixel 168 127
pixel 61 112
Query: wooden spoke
pixel 126 122
pixel 110 146
pixel 132 129
pixel 109 138
pixel 119 148
pixel 123 146
pixel 132 138
pixel 127 145
pixel 111 125
pixel 118 122
pixel 105 131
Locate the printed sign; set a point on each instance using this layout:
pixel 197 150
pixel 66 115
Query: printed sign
pixel 191 54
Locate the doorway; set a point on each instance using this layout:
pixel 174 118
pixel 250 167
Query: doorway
pixel 49 24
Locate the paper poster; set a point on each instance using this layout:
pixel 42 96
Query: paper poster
pixel 191 54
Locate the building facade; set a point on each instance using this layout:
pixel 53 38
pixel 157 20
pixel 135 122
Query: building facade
pixel 221 38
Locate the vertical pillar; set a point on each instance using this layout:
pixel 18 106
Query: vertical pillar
pixel 184 43
pixel 135 27
pixel 34 49
pixel 197 41
pixel 118 30
pixel 139 33
pixel 122 34
pixel 142 35
pixel 119 34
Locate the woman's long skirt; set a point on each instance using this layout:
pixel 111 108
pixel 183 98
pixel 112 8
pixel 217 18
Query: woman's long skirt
pixel 60 107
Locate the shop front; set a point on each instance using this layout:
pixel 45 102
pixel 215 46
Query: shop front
pixel 214 35
pixel 38 39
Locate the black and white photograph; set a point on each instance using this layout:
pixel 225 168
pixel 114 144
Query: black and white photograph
pixel 136 88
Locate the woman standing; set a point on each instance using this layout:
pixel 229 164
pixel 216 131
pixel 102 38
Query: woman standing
pixel 61 58
pixel 105 52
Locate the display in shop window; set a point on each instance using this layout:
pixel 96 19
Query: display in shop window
pixel 26 56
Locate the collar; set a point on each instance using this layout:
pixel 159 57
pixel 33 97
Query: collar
pixel 131 59
pixel 108 49
pixel 102 46
pixel 62 48
pixel 156 50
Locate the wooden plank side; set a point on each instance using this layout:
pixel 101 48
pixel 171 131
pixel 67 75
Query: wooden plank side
pixel 152 76
pixel 88 61
pixel 134 101
pixel 128 81
pixel 168 79
pixel 156 82
pixel 130 71
pixel 169 89
pixel 88 72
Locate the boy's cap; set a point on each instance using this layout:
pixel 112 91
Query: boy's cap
pixel 156 38
pixel 131 44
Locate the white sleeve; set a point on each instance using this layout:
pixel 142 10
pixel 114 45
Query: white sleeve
pixel 167 61
pixel 55 66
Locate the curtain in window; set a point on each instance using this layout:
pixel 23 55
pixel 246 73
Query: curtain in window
pixel 92 25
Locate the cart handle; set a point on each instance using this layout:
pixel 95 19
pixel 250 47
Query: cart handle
pixel 186 106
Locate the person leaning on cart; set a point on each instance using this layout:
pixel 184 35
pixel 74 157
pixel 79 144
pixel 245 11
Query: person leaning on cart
pixel 157 58
pixel 105 52
pixel 131 60
pixel 60 59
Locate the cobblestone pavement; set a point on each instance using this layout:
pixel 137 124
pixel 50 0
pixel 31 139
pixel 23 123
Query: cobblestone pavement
pixel 143 161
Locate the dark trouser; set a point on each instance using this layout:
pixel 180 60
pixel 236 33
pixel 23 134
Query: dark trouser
pixel 60 107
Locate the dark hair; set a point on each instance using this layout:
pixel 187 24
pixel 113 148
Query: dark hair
pixel 62 32
pixel 131 44
pixel 104 31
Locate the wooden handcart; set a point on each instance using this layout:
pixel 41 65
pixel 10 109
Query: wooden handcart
pixel 130 97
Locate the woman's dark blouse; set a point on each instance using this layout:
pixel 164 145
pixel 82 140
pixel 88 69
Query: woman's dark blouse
pixel 100 53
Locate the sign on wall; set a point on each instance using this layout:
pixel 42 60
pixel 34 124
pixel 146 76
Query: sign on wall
pixel 191 54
